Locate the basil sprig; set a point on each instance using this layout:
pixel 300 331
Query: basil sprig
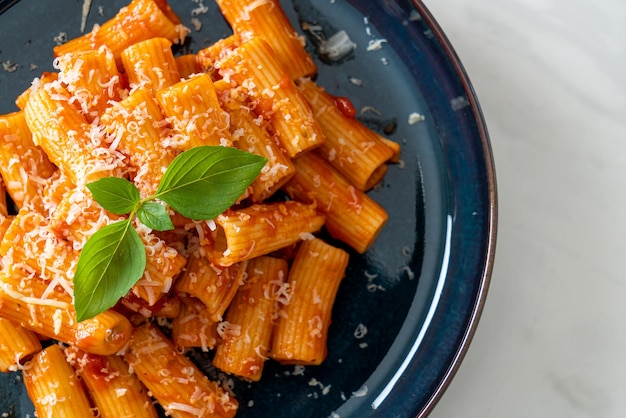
pixel 199 184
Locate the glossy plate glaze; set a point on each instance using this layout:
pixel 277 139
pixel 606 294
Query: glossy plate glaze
pixel 419 291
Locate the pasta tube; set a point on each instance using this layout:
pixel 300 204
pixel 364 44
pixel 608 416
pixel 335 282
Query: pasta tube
pixel 30 244
pixel 116 392
pixel 140 20
pixel 46 77
pixel 42 308
pixel 352 148
pixel 188 65
pixel 212 285
pixel 246 338
pixel 17 344
pixel 179 386
pixel 217 51
pixel 254 138
pixel 254 67
pixel 52 385
pixel 163 265
pixel 23 165
pixel 193 327
pixel 150 64
pixel 351 215
pixel 77 217
pixel 193 109
pixel 302 329
pixel 137 128
pixel 258 230
pixel 66 137
pixel 92 79
pixel 266 19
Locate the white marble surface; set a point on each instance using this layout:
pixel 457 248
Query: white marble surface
pixel 551 78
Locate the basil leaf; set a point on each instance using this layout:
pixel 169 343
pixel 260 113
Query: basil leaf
pixel 154 215
pixel 115 194
pixel 110 263
pixel 203 182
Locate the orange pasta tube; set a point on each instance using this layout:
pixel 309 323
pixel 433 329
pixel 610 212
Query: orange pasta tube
pixel 179 386
pixel 351 215
pixel 23 165
pixel 140 20
pixel 258 230
pixel 193 109
pixel 52 385
pixel 351 147
pixel 163 264
pixel 29 243
pixel 46 77
pixel 55 189
pixel 217 51
pixel 150 64
pixel 17 344
pixel 136 128
pixel 302 329
pixel 254 67
pixel 395 147
pixel 251 315
pixel 188 65
pixel 92 79
pixel 254 138
pixel 116 392
pixel 193 327
pixel 42 308
pixel 214 286
pixel 267 19
pixel 66 137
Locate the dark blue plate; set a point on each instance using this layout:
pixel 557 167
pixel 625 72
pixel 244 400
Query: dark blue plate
pixel 420 290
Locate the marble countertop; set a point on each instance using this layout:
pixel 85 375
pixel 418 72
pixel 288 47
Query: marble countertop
pixel 551 78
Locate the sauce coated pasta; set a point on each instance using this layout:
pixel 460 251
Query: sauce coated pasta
pixel 255 284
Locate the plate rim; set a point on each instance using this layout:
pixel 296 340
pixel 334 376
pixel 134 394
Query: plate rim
pixel 492 205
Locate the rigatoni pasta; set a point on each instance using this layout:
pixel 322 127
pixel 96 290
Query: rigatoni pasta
pixel 92 79
pixel 316 181
pixel 150 64
pixel 182 389
pixel 302 329
pixel 260 229
pixel 65 135
pixel 17 344
pixel 353 149
pixel 53 386
pixel 140 20
pixel 252 315
pixel 23 165
pixel 272 94
pixel 122 104
pixel 114 388
pixel 195 113
pixel 213 285
pixel 267 20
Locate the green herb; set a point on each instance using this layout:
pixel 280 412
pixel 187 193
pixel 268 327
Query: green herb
pixel 199 184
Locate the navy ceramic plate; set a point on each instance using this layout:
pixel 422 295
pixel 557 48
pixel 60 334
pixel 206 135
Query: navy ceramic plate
pixel 419 291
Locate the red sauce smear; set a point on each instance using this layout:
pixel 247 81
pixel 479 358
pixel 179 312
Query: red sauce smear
pixel 345 106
